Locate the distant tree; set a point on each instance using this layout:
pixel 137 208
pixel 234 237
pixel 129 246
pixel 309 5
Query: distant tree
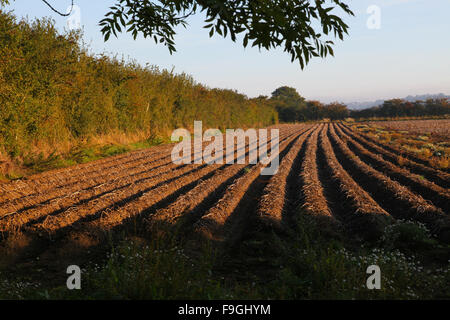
pixel 392 108
pixel 314 110
pixel 400 108
pixel 336 111
pixel 287 94
pixel 289 104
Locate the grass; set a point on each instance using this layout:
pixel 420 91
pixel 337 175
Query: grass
pixel 312 265
pixel 80 154
pixel 12 175
pixel 305 264
pixel 135 268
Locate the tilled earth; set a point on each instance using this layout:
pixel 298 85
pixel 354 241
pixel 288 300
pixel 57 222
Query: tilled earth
pixel 347 180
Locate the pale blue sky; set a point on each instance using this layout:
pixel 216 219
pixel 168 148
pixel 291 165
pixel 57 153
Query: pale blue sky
pixel 408 55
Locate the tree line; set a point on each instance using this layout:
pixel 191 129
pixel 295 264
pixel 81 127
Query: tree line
pixel 54 93
pixel 291 106
pixel 396 108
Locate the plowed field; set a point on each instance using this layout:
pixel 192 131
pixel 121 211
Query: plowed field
pixel 343 178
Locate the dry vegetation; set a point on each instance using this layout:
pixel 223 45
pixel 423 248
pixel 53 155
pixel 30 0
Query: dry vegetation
pixel 435 129
pixel 423 141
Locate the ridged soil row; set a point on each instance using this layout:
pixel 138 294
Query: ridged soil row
pixel 77 197
pixel 314 199
pixel 83 185
pixel 439 196
pixel 74 179
pixel 85 200
pixel 366 217
pixel 186 205
pixel 399 201
pixel 211 225
pixel 64 176
pixel 436 176
pixel 203 195
pixel 273 201
pixel 23 192
pixel 111 211
pixel 404 153
pixel 143 179
pixel 246 223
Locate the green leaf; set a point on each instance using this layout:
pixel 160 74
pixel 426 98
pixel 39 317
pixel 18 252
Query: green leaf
pixel 269 24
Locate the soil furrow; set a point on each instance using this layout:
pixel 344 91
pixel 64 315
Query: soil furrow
pixel 188 205
pixel 438 177
pixel 365 216
pixel 212 224
pixel 398 200
pixel 314 201
pixel 273 199
pixel 439 196
pixel 422 163
pixel 131 192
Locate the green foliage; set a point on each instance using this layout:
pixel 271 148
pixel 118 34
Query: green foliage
pixel 338 273
pixel 397 108
pixel 53 93
pixel 293 107
pixel 407 235
pixel 306 264
pixel 314 263
pixel 289 104
pixel 266 24
pixel 336 111
pixel 140 270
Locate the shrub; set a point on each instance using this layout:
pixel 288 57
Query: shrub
pixel 55 94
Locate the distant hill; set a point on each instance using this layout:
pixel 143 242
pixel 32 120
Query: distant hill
pixel 369 104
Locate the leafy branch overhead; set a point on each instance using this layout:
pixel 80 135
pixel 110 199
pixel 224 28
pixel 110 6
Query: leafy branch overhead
pixel 296 25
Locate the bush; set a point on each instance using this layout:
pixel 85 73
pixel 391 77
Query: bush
pixel 407 235
pixel 55 94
